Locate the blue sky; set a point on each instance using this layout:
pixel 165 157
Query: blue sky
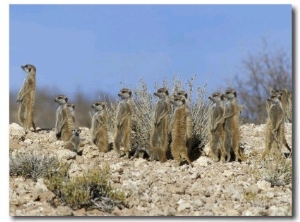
pixel 95 47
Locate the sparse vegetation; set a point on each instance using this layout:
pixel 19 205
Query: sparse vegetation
pixel 277 169
pixel 31 164
pixel 92 190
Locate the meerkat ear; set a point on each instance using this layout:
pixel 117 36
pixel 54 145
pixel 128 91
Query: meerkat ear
pixel 222 97
pixel 234 93
pixel 167 92
pixel 130 93
pixel 66 99
pixel 73 106
pixel 270 89
pixel 29 69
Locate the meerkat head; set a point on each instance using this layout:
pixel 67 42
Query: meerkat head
pixel 71 106
pixel 182 93
pixel 216 97
pixel 178 100
pixel 98 106
pixel 230 93
pixel 29 68
pixel 76 131
pixel 275 98
pixel 281 92
pixel 125 93
pixel 162 93
pixel 61 99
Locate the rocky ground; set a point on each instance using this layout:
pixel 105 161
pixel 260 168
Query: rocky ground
pixel 160 189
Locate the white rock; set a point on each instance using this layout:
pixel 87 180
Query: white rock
pixel 203 161
pixel 65 154
pixel 263 185
pixel 277 211
pixel 139 162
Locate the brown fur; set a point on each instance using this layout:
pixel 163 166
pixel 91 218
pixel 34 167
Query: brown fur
pixel 274 125
pixel 231 125
pixel 26 99
pixel 285 101
pixel 189 123
pixel 99 127
pixel 74 142
pixel 123 122
pixel 159 132
pixel 178 130
pixel 64 119
pixel 71 108
pixel 216 129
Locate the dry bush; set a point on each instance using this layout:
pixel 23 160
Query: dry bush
pixel 90 191
pixel 277 169
pixel 31 164
pixel 144 104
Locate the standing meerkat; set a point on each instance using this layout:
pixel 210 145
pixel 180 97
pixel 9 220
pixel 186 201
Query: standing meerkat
pixel 274 126
pixel 178 130
pixel 98 127
pixel 159 132
pixel 123 122
pixel 189 123
pixel 231 125
pixel 71 109
pixel 26 99
pixel 74 142
pixel 216 128
pixel 285 102
pixel 64 119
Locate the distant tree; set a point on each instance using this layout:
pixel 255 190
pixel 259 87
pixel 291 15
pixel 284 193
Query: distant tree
pixel 267 68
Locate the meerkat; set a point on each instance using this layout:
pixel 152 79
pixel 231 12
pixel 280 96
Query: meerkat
pixel 123 122
pixel 231 125
pixel 64 119
pixel 216 128
pixel 178 130
pixel 71 109
pixel 274 125
pixel 189 123
pixel 159 131
pixel 74 142
pixel 26 99
pixel 139 149
pixel 99 127
pixel 285 101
